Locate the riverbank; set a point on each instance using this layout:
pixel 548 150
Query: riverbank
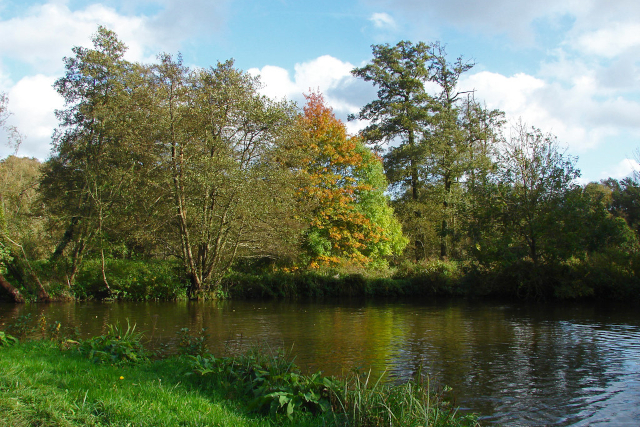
pixel 593 278
pixel 44 385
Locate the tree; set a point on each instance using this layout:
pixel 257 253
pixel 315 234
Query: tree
pixel 18 179
pixel 345 184
pixel 624 200
pixel 216 141
pixel 440 137
pixel 84 178
pixel 536 181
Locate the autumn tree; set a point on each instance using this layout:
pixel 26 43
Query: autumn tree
pixel 344 182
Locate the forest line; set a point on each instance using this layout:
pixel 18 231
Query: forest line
pixel 158 169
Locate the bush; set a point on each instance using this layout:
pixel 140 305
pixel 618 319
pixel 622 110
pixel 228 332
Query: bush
pixel 7 340
pixel 432 277
pixel 192 345
pixel 269 382
pixel 132 280
pixel 117 347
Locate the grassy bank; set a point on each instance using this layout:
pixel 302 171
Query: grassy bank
pixel 42 386
pixel 111 381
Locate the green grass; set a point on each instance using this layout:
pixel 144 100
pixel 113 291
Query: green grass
pixel 42 386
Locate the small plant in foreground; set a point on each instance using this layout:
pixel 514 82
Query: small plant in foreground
pixel 192 345
pixel 269 382
pixel 7 340
pixel 22 326
pixel 117 347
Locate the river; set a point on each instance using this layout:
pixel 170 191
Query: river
pixel 513 364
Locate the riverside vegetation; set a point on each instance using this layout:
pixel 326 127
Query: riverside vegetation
pixel 167 182
pixel 112 380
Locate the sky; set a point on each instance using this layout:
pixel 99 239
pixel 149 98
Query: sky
pixel 568 67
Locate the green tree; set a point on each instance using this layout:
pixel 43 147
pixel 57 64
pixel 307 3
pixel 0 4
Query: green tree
pixel 217 140
pixel 624 200
pixel 23 235
pixel 400 114
pixel 84 179
pixel 440 135
pixel 536 179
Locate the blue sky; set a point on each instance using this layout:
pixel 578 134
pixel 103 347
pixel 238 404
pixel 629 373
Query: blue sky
pixel 569 67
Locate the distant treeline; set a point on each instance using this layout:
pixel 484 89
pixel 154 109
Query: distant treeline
pixel 168 182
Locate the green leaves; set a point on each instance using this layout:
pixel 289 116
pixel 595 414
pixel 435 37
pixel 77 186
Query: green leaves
pixel 117 347
pixel 269 382
pixel 7 340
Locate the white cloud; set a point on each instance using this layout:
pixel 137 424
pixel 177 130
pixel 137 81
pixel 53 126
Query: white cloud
pixel 383 21
pixel 326 74
pixel 611 41
pixel 573 113
pixel 32 102
pixel 47 33
pixel 622 170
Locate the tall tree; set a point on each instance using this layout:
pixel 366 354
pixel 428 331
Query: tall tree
pixel 400 114
pixel 351 218
pixel 536 181
pixel 216 138
pixel 440 135
pixel 81 180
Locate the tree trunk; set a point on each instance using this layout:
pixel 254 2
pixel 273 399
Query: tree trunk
pixel 66 238
pixel 418 242
pixel 13 292
pixel 444 250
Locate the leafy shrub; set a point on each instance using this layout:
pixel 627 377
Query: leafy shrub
pixel 132 280
pixel 192 345
pixel 7 340
pixel 270 382
pixel 273 384
pixel 117 347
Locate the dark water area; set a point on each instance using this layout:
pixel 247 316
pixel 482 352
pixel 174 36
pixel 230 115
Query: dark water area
pixel 514 364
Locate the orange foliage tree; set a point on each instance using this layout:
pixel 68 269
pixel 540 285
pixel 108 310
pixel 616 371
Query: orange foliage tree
pixel 350 218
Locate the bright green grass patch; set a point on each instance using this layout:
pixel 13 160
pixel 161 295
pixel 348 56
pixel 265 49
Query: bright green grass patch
pixel 42 386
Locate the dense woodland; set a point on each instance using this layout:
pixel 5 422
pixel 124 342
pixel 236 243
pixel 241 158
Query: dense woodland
pixel 169 182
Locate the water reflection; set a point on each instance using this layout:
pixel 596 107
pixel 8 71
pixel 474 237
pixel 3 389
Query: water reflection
pixel 514 364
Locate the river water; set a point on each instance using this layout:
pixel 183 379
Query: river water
pixel 513 364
